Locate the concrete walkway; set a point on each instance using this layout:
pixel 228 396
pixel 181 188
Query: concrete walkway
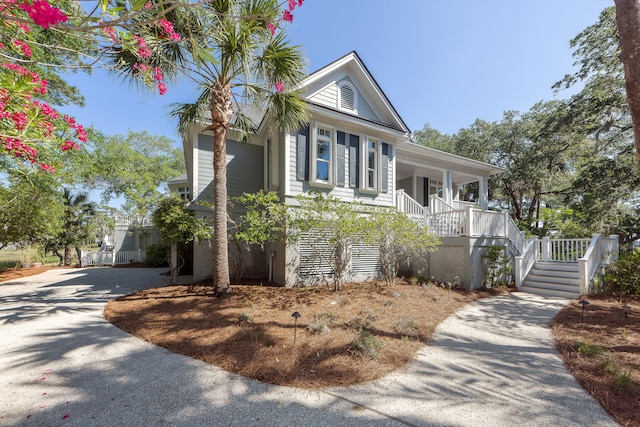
pixel 61 363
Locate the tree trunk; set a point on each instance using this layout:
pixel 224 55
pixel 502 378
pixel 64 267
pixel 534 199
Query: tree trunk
pixel 221 111
pixel 174 263
pixel 628 22
pixel 68 256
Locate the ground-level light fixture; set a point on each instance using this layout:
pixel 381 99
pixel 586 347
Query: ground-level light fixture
pixel 296 316
pixel 583 303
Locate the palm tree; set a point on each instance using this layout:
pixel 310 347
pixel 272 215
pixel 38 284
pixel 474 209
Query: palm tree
pixel 250 65
pixel 76 222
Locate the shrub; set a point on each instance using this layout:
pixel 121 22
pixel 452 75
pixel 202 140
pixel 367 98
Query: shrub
pixel 498 267
pixel 321 323
pixel 158 255
pixel 623 277
pixel 366 345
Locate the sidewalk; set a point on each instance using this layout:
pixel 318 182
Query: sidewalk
pixel 61 363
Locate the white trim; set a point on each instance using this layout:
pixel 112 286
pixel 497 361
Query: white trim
pixel 195 193
pixel 313 165
pixel 287 164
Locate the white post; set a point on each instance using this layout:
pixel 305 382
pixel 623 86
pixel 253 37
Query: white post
pixel 468 228
pixel 447 187
pixel 546 249
pixel 483 190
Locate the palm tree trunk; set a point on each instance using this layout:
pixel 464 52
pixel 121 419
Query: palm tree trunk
pixel 221 111
pixel 628 21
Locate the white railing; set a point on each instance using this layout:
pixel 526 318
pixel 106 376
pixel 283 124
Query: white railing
pixel 588 263
pixel 525 262
pixel 461 204
pixel 96 258
pixel 438 205
pixel 413 209
pixel 446 223
pixel 127 257
pixel 133 220
pixel 563 250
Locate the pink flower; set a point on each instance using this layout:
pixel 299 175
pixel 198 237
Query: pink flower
pixel 43 14
pixel 292 4
pixel 271 28
pixel 81 133
pixel 19 119
pixel 162 89
pixel 111 32
pixel 157 74
pixel 279 87
pixel 287 16
pixel 65 416
pixel 143 47
pixel 26 50
pixel 168 28
pixel 69 145
pixel 148 5
pixel 300 3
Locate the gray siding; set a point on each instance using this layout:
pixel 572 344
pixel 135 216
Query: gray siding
pixel 245 168
pixel 298 186
pixel 327 97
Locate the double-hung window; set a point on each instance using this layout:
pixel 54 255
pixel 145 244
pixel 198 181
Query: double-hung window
pixel 372 165
pixel 324 144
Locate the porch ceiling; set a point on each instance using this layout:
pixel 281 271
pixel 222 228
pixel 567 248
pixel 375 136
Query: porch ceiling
pixel 406 170
pixel 423 161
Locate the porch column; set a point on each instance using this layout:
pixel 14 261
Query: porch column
pixel 484 193
pixel 447 187
pixel 414 186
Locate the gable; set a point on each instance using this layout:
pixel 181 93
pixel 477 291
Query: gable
pixel 346 86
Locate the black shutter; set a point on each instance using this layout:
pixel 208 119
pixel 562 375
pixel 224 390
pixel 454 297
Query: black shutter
pixel 354 161
pixel 302 159
pixel 340 157
pixel 384 171
pixel 425 192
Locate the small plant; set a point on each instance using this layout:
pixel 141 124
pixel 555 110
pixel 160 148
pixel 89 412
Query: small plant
pixel 585 349
pixel 406 326
pixel 322 323
pixel 245 319
pixel 625 382
pixel 413 280
pixel 498 267
pixel 366 345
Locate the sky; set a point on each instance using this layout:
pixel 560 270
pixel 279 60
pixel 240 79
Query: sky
pixel 446 63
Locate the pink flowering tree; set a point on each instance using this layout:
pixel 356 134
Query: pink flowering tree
pixel 251 64
pixel 140 40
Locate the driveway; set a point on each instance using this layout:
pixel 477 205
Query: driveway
pixel 61 363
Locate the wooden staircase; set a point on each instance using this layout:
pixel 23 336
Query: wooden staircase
pixel 553 279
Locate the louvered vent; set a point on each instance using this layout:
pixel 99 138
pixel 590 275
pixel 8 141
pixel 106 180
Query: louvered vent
pixel 347 97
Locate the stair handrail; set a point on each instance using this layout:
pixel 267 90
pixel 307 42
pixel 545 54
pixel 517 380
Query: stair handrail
pixel 438 205
pixel 408 205
pixel 525 262
pixel 588 264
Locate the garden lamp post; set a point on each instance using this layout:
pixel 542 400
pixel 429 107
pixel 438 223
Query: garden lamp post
pixel 583 302
pixel 296 316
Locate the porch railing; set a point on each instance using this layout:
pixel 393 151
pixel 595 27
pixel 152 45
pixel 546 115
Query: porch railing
pixel 406 204
pixel 525 262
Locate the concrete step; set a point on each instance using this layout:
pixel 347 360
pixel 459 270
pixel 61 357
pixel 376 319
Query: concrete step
pixel 553 279
pixel 550 292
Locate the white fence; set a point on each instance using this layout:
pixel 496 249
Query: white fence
pixel 111 258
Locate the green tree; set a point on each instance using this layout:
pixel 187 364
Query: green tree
pixel 245 63
pixel 177 225
pixel 133 166
pixel 263 221
pixel 30 211
pixel 399 240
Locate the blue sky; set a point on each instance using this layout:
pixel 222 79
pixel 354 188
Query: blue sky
pixel 442 62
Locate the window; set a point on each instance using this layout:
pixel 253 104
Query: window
pixel 184 193
pixel 347 97
pixel 372 165
pixel 323 155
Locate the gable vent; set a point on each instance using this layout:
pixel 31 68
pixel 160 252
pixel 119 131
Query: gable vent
pixel 347 97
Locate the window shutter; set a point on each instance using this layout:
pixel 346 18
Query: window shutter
pixel 354 161
pixel 302 158
pixel 340 156
pixel 384 170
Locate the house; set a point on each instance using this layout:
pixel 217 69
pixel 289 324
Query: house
pixel 355 147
